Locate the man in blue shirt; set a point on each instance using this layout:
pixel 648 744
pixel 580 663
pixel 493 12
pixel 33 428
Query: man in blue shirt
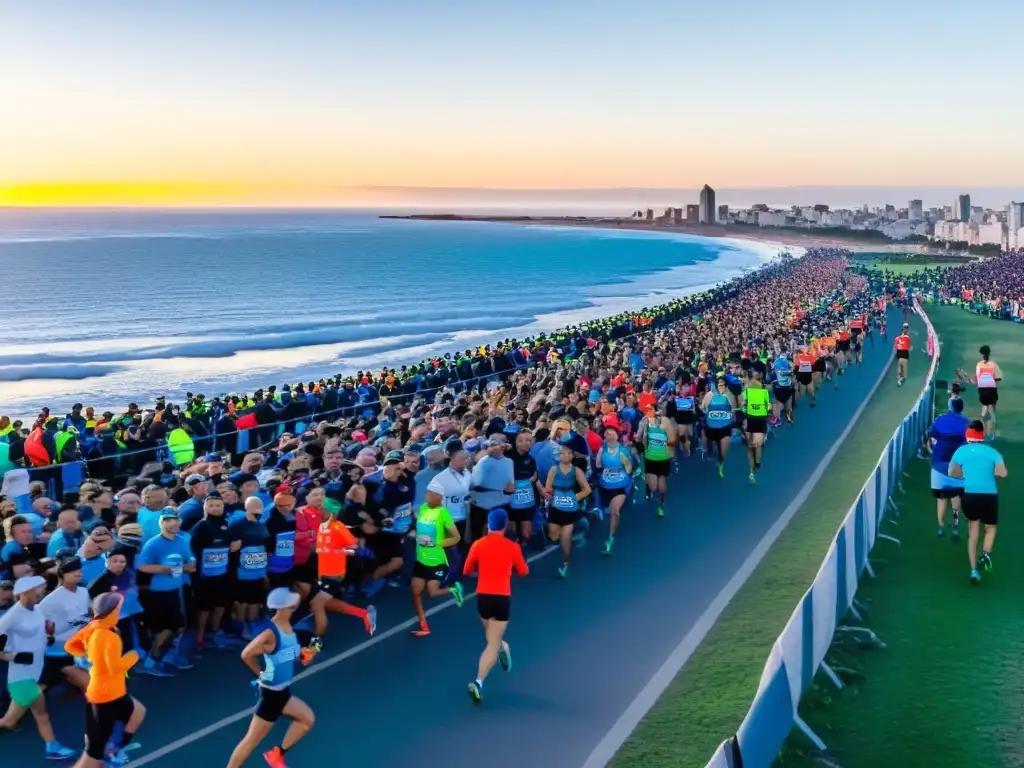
pixel 979 465
pixel 947 434
pixel 166 558
pixel 783 387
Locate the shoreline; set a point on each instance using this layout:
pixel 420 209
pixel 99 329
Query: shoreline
pixel 763 235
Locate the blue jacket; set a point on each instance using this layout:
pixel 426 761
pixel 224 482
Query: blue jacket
pixel 948 431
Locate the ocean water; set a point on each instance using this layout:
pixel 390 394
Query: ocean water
pixel 106 307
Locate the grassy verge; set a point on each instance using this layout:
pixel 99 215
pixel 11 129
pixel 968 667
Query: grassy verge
pixel 946 691
pixel 709 698
pixel 906 269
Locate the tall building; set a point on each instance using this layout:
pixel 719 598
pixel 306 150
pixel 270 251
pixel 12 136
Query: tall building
pixel 962 208
pixel 1015 225
pixel 915 210
pixel 708 211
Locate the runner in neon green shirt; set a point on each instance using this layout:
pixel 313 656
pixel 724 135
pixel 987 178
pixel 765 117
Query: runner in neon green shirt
pixel 435 531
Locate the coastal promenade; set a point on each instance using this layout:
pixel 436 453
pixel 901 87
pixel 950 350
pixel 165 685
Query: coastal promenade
pixel 584 648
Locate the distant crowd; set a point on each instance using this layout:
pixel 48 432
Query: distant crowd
pixel 993 287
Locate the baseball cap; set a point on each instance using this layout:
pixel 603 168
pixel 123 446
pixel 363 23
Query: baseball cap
pixel 194 480
pixel 282 598
pixel 393 457
pixel 210 457
pixel 27 584
pixel 168 513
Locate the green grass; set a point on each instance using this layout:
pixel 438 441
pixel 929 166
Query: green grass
pixel 946 691
pixel 709 698
pixel 906 269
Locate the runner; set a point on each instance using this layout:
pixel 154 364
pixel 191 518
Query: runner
pixel 844 342
pixel 718 408
pixel 658 436
pixel 495 557
pixel 903 347
pixel 858 325
pixel 523 504
pixel 979 465
pixel 988 375
pixel 435 532
pixel 107 701
pixel 566 486
pixel 616 468
pixel 280 650
pixel 756 404
pixel 23 643
pixel 782 369
pixel 947 435
pixel 681 408
pixel 804 363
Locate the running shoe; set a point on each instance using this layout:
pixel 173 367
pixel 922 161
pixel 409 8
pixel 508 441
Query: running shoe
pixel 154 668
pixel 985 561
pixel 394 583
pixel 563 571
pixel 55 751
pixel 247 631
pixel 373 587
pixel 220 640
pixel 458 594
pixel 275 758
pixel 371 620
pixel 421 631
pixel 721 469
pixel 609 543
pixel 178 662
pixel 942 532
pixel 752 478
pixel 703 454
pixel 505 657
pixel 975 576
pixel 955 536
pixel 475 693
pixel 115 758
pixel 661 511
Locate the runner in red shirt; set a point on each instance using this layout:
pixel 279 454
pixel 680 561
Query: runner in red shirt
pixel 495 557
pixel 903 346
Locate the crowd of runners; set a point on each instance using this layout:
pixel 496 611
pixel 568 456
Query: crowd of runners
pixel 417 479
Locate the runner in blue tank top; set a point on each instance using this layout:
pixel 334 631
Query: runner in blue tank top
pixel 718 407
pixel 566 486
pixel 281 653
pixel 615 475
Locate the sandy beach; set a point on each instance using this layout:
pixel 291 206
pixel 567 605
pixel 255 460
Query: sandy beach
pixel 771 235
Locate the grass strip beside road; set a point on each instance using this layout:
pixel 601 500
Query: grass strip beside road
pixel 947 691
pixel 707 701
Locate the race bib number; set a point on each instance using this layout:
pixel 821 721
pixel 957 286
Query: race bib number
pixel 613 476
pixel 564 501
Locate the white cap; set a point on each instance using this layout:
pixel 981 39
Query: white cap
pixel 27 584
pixel 282 597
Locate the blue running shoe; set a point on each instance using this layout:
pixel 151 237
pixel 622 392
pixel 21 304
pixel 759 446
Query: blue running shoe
pixel 563 571
pixel 975 576
pixel 373 587
pixel 942 532
pixel 505 657
pixel 55 751
pixel 371 620
pixel 154 668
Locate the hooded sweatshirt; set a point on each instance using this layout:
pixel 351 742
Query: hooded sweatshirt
pixel 99 642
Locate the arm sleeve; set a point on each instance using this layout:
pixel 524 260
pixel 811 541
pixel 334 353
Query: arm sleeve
pixel 470 564
pixel 519 562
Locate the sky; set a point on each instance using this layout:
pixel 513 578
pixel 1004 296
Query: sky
pixel 193 102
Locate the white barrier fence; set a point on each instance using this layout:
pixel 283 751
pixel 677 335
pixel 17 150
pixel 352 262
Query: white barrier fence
pixel 800 650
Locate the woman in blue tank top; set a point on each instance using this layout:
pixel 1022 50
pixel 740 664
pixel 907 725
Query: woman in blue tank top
pixel 566 486
pixel 615 474
pixel 718 406
pixel 281 653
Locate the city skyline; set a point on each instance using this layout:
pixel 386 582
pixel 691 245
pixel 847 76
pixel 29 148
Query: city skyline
pixel 194 104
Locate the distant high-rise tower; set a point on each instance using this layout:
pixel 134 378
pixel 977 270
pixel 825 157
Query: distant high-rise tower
pixel 915 211
pixel 962 208
pixel 708 211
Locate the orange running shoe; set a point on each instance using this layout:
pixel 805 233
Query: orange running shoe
pixel 275 758
pixel 306 655
pixel 422 631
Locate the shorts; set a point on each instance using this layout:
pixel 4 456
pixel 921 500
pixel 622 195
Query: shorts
pixel 162 610
pixel 946 487
pixel 522 515
pixel 988 395
pixel 757 425
pixel 685 418
pixel 213 593
pixel 803 377
pixel 284 579
pixel 903 354
pixel 430 572
pixel 250 591
pixel 606 495
pixel 100 722
pixel 714 434
pixel 980 507
pixel 657 467
pixel 844 346
pixel 270 705
pixel 24 692
pixel 783 394
pixel 497 607
pixel 307 572
pixel 386 546
pixel 819 365
pixel 53 670
pixel 562 518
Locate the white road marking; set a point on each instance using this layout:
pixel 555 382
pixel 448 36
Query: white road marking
pixel 641 705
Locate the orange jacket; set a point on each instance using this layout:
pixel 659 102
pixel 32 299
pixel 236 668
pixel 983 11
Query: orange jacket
pixel 101 645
